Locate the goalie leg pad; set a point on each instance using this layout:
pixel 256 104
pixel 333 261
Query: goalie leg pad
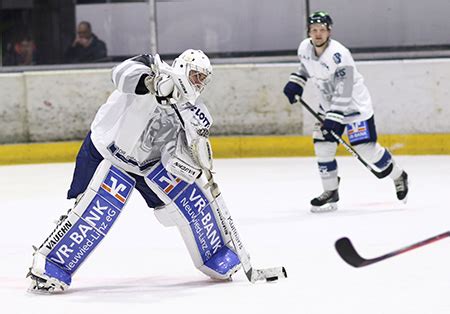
pixel 190 207
pixel 84 227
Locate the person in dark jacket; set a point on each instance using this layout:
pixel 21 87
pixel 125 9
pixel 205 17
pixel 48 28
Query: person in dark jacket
pixel 21 52
pixel 86 47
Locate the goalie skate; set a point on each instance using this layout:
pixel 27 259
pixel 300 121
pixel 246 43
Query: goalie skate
pixel 43 284
pixel 326 202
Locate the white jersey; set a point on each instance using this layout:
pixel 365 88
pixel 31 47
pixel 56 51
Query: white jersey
pixel 340 85
pixel 132 128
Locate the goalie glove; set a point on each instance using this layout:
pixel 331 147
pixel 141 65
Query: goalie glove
pixel 202 152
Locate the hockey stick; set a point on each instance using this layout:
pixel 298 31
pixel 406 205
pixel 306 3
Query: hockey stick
pixel 378 174
pixel 253 275
pixel 347 251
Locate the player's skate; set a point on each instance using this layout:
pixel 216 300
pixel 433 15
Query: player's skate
pixel 326 202
pixel 401 187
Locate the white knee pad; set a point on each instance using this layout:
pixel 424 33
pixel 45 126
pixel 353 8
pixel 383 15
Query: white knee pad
pixel 84 227
pixel 191 208
pixel 325 151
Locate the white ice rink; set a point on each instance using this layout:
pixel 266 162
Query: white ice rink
pixel 143 267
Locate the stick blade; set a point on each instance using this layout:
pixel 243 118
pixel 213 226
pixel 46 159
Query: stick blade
pixel 267 274
pixel 347 252
pixel 384 173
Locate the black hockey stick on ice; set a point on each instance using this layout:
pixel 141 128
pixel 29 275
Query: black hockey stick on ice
pixel 378 174
pixel 347 251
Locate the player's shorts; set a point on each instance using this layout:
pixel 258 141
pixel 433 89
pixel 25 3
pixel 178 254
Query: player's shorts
pixel 362 132
pixel 87 161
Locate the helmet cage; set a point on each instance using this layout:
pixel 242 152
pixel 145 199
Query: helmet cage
pixel 198 77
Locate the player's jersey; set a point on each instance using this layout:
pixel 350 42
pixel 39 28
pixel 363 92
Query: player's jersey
pixel 341 87
pixel 131 130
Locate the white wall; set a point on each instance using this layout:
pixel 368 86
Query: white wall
pixel 384 23
pixel 13 114
pixel 409 97
pixel 219 26
pixel 215 26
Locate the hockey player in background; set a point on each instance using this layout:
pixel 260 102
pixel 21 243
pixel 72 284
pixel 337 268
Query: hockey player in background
pixel 344 103
pixel 151 135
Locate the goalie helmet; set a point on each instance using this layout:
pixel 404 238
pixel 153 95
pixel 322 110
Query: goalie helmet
pixel 197 69
pixel 320 17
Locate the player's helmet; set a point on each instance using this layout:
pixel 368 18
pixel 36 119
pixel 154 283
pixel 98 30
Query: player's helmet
pixel 320 17
pixel 196 66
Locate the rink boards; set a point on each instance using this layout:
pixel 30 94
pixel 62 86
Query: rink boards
pixel 235 147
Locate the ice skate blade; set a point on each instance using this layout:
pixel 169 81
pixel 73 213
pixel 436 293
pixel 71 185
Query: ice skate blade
pixel 33 289
pixel 330 207
pixel 405 200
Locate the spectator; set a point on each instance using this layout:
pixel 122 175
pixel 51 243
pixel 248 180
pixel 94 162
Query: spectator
pixel 86 47
pixel 22 52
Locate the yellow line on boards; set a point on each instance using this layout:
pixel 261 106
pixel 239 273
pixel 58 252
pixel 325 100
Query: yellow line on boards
pixel 235 147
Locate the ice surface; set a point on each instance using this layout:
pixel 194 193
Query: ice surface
pixel 143 267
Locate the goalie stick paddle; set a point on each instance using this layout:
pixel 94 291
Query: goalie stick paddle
pixel 378 174
pixel 348 253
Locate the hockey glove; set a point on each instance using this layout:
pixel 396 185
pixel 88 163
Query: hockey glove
pixel 333 122
pixel 294 87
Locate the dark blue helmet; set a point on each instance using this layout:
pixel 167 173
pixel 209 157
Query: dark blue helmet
pixel 320 17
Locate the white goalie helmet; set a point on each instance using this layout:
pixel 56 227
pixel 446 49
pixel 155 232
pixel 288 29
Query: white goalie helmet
pixel 197 72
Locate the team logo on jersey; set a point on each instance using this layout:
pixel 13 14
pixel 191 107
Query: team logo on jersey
pixel 337 58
